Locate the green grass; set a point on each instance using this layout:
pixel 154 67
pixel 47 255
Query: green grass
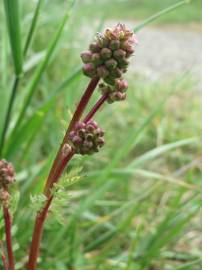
pixel 140 9
pixel 138 205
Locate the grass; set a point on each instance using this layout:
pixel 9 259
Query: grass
pixel 140 9
pixel 138 205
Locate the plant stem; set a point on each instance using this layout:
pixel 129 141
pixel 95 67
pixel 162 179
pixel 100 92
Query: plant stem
pixel 96 107
pixel 8 224
pixel 57 169
pixel 37 235
pixel 76 117
pixel 8 113
pixel 40 219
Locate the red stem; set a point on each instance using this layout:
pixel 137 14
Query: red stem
pixel 8 225
pixel 37 235
pixel 40 219
pixel 57 169
pixel 76 117
pixel 96 107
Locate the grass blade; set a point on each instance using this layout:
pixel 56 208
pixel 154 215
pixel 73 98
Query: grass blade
pixel 159 14
pixel 33 26
pixel 13 24
pixel 40 70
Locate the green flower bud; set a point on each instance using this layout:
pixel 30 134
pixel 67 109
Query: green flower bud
pixel 106 53
pixel 119 54
pixel 111 64
pixel 94 47
pixel 116 73
pixel 102 72
pixel 96 59
pixel 89 70
pixel 114 44
pixel 86 57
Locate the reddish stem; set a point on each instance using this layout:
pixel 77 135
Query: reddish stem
pixel 57 169
pixel 76 117
pixel 37 235
pixel 8 225
pixel 96 107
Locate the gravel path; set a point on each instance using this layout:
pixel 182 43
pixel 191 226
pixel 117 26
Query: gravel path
pixel 169 51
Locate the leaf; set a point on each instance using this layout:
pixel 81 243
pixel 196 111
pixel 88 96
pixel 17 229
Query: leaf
pixel 40 70
pixel 13 24
pixel 60 193
pixel 14 199
pixel 33 26
pixel 37 202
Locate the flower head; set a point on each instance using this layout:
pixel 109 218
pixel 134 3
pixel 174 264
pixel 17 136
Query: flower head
pixel 86 138
pixel 107 57
pixel 7 173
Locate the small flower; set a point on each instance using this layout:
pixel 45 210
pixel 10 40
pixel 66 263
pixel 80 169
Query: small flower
pixel 7 173
pixel 86 138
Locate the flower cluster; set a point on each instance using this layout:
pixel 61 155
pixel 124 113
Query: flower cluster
pixel 86 138
pixel 7 176
pixel 108 58
pixel 7 173
pixel 117 92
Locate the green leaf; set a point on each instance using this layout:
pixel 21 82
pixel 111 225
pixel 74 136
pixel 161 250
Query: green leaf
pixel 13 24
pixel 40 70
pixel 33 26
pixel 37 202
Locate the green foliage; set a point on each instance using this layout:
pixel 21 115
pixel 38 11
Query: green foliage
pixel 61 196
pixel 13 24
pixel 37 202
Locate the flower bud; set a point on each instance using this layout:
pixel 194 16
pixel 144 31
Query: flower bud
pixel 103 41
pixel 116 96
pixel 87 138
pixel 89 70
pixel 106 53
pixel 102 72
pixel 111 64
pixel 66 150
pixel 123 63
pixel 121 85
pixel 7 173
pixel 114 44
pixel 96 59
pixel 119 54
pixel 128 47
pixel 86 56
pixel 109 80
pixel 94 47
pixel 116 73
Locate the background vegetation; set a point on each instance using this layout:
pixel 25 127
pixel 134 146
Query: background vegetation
pixel 138 205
